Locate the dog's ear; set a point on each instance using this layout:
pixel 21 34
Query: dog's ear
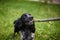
pixel 18 24
pixel 14 21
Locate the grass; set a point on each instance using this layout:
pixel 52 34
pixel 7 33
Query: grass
pixel 10 11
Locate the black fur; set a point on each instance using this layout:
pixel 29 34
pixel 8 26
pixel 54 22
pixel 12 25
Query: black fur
pixel 24 24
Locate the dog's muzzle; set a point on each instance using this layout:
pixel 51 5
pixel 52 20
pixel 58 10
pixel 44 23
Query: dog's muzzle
pixel 29 23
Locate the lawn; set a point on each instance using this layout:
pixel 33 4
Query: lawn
pixel 10 11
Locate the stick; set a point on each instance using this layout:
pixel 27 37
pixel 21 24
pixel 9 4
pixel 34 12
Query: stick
pixel 48 19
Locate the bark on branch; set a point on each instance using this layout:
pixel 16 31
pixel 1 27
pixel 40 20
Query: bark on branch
pixel 48 19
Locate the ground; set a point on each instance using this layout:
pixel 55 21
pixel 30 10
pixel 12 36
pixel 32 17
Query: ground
pixel 10 11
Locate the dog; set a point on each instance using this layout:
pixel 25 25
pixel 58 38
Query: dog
pixel 26 26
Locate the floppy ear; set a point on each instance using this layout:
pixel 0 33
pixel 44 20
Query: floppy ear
pixel 18 23
pixel 14 21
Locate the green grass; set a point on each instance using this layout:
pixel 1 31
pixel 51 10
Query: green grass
pixel 10 11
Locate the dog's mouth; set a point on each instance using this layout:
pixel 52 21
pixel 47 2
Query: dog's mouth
pixel 29 23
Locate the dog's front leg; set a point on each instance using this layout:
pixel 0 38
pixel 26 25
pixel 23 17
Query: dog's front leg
pixel 32 36
pixel 22 35
pixel 14 34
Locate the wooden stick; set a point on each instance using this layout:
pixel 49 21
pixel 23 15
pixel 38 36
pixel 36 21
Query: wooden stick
pixel 48 19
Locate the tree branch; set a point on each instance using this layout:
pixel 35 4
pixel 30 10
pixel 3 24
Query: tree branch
pixel 48 19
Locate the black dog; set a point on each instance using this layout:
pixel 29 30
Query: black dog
pixel 26 25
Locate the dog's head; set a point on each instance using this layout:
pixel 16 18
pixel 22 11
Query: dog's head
pixel 27 19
